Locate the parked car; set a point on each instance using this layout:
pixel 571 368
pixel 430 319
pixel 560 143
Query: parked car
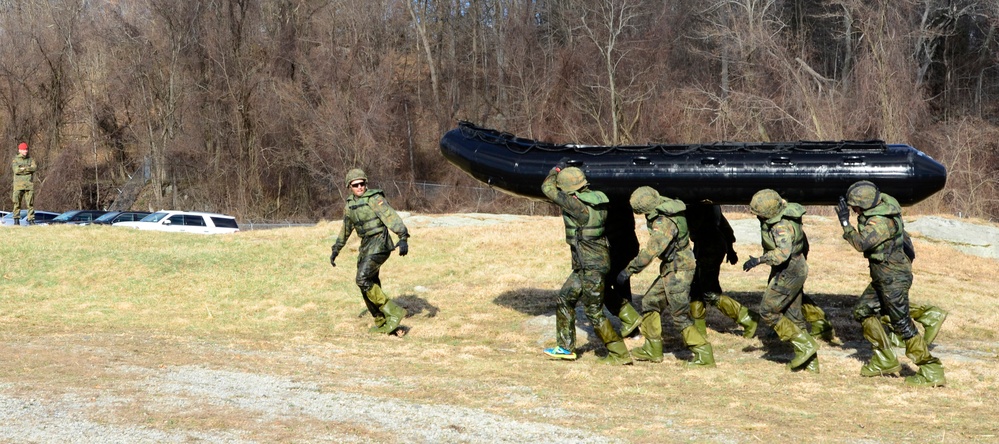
pixel 40 217
pixel 76 217
pixel 185 222
pixel 112 217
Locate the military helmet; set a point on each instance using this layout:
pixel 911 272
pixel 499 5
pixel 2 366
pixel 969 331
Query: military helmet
pixel 644 199
pixel 571 179
pixel 767 204
pixel 356 174
pixel 863 194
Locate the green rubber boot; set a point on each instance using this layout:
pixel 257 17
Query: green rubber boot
pixel 821 327
pixel 738 313
pixel 812 366
pixel 931 318
pixel 931 372
pixel 393 316
pixel 893 339
pixel 617 354
pixel 704 356
pixel 699 313
pixel 804 345
pixel 651 350
pixel 652 329
pixel 605 331
pixel 883 360
pixel 630 319
pixel 379 322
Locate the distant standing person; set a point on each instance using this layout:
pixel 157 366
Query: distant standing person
pixel 714 242
pixel 368 213
pixel 880 235
pixel 584 213
pixel 784 246
pixel 670 292
pixel 24 168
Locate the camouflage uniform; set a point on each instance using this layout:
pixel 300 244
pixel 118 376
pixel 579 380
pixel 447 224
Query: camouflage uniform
pixel 669 241
pixel 713 239
pixel 583 213
pixel 372 217
pixel 23 167
pixel 880 235
pixel 784 247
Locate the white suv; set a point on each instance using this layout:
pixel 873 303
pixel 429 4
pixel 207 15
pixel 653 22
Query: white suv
pixel 185 222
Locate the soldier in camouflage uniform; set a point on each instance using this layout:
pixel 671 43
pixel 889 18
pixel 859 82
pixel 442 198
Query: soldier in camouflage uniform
pixel 584 213
pixel 669 241
pixel 880 235
pixel 24 168
pixel 784 247
pixel 370 215
pixel 714 241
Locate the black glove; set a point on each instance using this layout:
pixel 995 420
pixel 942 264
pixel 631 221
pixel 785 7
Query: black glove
pixel 333 256
pixel 751 263
pixel 622 278
pixel 843 212
pixel 562 163
pixel 403 247
pixel 732 256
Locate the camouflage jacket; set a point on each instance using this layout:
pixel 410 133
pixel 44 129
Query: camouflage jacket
pixel 784 238
pixel 880 231
pixel 583 213
pixel 669 240
pixel 24 171
pixel 372 217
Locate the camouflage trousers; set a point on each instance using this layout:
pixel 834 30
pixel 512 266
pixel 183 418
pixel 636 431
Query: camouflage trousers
pixel 784 292
pixel 586 286
pixel 367 277
pixel 888 294
pixel 28 196
pixel 670 293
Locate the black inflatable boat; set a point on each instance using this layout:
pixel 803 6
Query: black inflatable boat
pixel 813 173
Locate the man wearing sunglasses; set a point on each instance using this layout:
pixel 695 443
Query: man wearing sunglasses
pixel 369 214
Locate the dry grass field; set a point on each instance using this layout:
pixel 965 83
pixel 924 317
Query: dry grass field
pixel 115 335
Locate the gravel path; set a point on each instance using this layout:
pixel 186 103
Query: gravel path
pixel 262 401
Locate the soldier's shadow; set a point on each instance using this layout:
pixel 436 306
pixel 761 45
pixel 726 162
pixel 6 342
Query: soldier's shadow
pixel 414 305
pixel 538 302
pixel 839 312
pixel 417 306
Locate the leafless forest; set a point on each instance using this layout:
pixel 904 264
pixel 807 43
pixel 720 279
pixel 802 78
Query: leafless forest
pixel 258 107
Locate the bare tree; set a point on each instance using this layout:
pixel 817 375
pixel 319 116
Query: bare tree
pixel 610 25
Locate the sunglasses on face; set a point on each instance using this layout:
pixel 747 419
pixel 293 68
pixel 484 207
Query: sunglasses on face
pixel 358 184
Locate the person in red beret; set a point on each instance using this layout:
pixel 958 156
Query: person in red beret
pixel 24 168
